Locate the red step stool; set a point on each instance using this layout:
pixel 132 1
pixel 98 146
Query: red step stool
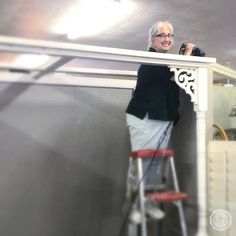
pixel 174 195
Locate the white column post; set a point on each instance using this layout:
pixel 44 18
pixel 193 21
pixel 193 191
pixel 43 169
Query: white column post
pixel 201 108
pixel 194 82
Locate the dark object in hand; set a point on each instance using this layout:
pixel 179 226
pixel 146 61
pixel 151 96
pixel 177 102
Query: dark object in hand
pixel 195 52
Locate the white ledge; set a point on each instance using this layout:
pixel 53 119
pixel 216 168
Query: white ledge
pixel 54 48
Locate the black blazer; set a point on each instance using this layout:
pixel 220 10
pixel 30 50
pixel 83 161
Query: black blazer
pixel 155 94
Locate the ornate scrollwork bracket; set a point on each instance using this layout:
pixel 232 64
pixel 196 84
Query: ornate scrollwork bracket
pixel 186 79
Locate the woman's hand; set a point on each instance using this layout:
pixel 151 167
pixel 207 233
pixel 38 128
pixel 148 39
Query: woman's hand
pixel 189 48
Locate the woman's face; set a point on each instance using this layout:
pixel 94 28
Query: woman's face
pixel 164 40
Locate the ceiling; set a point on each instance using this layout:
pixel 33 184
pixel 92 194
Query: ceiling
pixel 207 23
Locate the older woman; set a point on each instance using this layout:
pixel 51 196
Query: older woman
pixel 153 108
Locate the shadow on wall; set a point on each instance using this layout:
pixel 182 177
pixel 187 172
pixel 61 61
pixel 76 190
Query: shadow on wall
pixel 184 145
pixel 62 166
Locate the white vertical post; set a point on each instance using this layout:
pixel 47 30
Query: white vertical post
pixel 194 82
pixel 201 108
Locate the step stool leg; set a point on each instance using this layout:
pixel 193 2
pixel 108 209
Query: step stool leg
pixel 164 171
pixel 142 197
pixel 182 218
pixel 178 203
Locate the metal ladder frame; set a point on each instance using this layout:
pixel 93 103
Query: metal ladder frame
pixel 141 190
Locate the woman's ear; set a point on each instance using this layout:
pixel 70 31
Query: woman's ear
pixel 152 40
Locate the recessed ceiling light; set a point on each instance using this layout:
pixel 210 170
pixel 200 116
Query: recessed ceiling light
pixel 31 61
pixel 90 17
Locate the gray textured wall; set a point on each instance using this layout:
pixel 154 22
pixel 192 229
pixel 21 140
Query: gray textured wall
pixel 63 160
pixel 64 156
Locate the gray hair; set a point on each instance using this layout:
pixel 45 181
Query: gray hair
pixel 155 29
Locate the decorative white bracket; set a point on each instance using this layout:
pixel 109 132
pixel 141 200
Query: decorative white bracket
pixel 186 79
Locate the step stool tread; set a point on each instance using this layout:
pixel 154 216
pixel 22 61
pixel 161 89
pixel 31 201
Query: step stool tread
pixel 152 153
pixel 170 196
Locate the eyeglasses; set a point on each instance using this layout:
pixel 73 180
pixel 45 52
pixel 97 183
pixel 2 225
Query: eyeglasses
pixel 163 35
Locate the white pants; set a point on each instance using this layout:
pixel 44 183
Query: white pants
pixel 147 134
